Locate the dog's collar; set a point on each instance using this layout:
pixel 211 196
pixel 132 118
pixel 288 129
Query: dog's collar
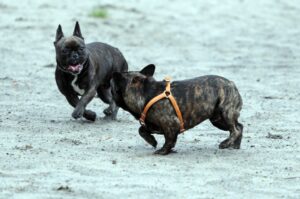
pixel 166 94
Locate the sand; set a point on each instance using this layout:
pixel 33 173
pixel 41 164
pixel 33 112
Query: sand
pixel 47 154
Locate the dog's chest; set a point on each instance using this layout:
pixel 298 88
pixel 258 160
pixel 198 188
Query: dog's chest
pixel 76 87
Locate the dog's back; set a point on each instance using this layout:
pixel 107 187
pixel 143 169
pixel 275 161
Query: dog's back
pixel 201 98
pixel 107 56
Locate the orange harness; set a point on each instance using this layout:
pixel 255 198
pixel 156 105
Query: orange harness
pixel 166 94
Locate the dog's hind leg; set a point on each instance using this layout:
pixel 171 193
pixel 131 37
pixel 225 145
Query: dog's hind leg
pixel 229 122
pixel 106 96
pixel 226 115
pixel 218 121
pixel 146 134
pixel 237 142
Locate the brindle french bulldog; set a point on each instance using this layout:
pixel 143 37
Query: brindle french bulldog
pixel 84 70
pixel 206 97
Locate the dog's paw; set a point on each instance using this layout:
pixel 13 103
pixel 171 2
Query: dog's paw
pixel 162 151
pixel 151 140
pixel 90 115
pixel 108 111
pixel 110 117
pixel 226 144
pixel 78 112
pixel 153 143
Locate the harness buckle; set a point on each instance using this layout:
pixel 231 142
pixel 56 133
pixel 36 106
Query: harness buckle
pixel 167 93
pixel 167 79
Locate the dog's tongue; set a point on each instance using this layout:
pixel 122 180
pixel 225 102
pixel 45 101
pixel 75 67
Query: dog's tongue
pixel 74 68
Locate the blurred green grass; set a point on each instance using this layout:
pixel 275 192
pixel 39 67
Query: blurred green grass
pixel 99 13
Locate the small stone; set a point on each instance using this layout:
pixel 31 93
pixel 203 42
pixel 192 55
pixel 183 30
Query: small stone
pixel 64 188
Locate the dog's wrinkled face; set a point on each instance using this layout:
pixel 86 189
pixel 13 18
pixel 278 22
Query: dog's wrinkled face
pixel 70 51
pixel 129 88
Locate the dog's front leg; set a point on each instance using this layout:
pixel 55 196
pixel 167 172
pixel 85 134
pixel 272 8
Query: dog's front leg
pixel 84 100
pixel 73 101
pixel 170 141
pixel 146 134
pixel 66 89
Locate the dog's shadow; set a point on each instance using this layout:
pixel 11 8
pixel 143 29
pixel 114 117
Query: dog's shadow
pixel 180 152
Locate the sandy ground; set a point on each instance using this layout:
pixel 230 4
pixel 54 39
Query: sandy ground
pixel 47 154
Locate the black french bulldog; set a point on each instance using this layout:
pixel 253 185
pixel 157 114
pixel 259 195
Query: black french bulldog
pixel 84 70
pixel 206 97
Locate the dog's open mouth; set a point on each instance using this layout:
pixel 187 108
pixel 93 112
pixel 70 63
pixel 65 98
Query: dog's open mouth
pixel 75 68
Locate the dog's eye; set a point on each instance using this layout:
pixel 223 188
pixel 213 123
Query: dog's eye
pixel 136 80
pixel 81 48
pixel 64 51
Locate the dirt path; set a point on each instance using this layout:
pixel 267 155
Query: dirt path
pixel 47 154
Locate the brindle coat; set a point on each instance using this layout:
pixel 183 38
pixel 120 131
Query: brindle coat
pixel 206 97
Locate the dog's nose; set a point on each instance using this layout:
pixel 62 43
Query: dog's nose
pixel 75 56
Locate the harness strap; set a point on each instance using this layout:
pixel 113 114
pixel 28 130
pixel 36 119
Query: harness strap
pixel 166 94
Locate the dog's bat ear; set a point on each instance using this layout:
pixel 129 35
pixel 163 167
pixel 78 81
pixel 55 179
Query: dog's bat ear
pixel 77 31
pixel 59 33
pixel 148 70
